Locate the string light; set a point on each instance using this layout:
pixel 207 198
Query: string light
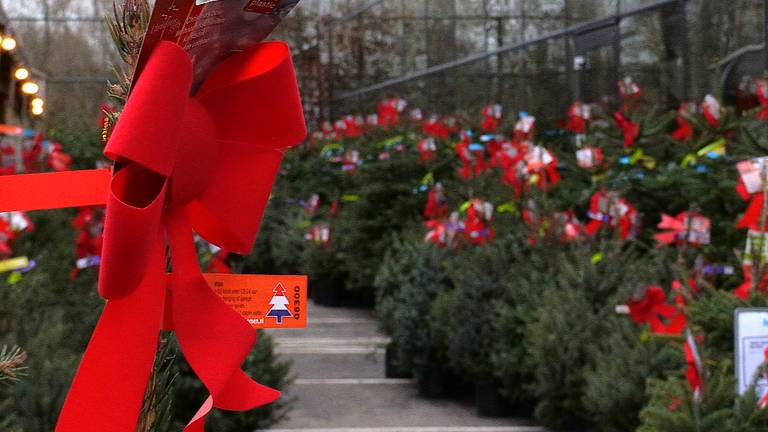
pixel 37 103
pixel 21 73
pixel 30 88
pixel 8 44
pixel 38 110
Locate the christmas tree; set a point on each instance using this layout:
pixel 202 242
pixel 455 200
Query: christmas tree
pixel 279 304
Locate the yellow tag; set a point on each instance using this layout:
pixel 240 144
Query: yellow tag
pixel 12 264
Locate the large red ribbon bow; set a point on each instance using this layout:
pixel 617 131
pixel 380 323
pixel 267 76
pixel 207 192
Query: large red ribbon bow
pixel 206 163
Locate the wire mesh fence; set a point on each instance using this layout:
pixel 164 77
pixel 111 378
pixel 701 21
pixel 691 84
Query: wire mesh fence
pixel 533 55
pixel 70 51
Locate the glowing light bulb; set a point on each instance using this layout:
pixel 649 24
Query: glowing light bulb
pixel 30 88
pixel 37 103
pixel 9 43
pixel 38 110
pixel 21 74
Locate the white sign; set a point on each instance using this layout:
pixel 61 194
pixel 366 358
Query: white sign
pixel 751 331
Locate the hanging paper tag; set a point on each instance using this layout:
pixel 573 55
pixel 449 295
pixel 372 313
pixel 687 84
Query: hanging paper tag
pixel 751 172
pixel 210 32
pixel 266 301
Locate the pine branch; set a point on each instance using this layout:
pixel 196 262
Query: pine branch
pixel 11 364
pixel 127 26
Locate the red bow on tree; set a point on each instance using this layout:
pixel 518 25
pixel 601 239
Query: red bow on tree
pixel 354 126
pixel 589 157
pixel 427 149
pixel 541 165
pixel 389 109
pixel 629 129
pixel 491 117
pixel 11 225
pixel 524 128
pixel 89 239
pixel 435 128
pixel 7 160
pixel 750 188
pixel 437 204
pixel 58 159
pixel 578 115
pixel 31 155
pixel 710 109
pixel 762 96
pixel 205 163
pixel 629 92
pixel 651 307
pixel 608 208
pixel 477 228
pixel 685 227
pixel 684 130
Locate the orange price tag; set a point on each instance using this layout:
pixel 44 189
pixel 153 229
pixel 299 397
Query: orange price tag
pixel 266 301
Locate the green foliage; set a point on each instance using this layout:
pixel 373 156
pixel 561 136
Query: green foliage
pixel 673 408
pixel 573 313
pixel 412 275
pixel 615 382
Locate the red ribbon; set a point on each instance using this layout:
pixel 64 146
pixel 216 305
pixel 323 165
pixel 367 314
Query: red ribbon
pixel 437 206
pixel 491 118
pixel 762 96
pixel 751 217
pixel 427 150
pixel 629 129
pixel 434 127
pixel 477 228
pixel 710 109
pixel 693 360
pixel 577 118
pixel 683 227
pixel 684 131
pixel 608 208
pixel 653 309
pixel 206 163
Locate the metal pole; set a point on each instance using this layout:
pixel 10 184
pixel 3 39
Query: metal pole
pixel 499 68
pixel 331 113
pixel 524 74
pixel 765 32
pixel 685 49
pixel 617 55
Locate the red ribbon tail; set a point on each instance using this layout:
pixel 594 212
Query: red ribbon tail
pixel 215 338
pixel 197 424
pixel 108 390
pixel 593 226
pixel 665 238
pixel 751 217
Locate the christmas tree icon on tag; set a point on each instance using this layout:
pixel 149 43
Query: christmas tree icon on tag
pixel 279 304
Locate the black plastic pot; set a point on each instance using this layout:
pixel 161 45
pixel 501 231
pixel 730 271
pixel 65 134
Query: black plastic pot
pixel 489 401
pixel 391 367
pixel 328 293
pixel 434 382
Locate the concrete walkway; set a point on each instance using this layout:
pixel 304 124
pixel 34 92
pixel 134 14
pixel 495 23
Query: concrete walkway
pixel 340 384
